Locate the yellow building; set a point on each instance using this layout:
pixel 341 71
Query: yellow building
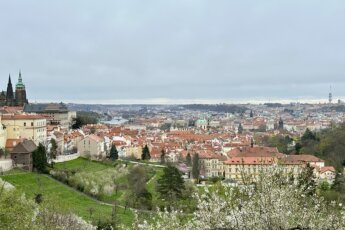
pixel 133 151
pixel 31 127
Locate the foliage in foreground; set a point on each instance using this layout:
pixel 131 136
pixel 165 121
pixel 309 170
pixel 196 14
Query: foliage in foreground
pixel 17 212
pixel 274 202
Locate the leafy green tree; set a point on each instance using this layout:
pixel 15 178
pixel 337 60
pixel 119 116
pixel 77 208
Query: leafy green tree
pixel 114 155
pixel 138 196
pixel 145 153
pixel 189 159
pixel 39 158
pixel 84 118
pixel 196 167
pixel 324 186
pixel 171 184
pixel 162 156
pixel 16 211
pixel 279 141
pixel 310 143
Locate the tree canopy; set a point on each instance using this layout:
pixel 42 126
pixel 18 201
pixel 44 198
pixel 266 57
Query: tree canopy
pixel 145 153
pixel 114 155
pixel 196 167
pixel 39 159
pixel 171 184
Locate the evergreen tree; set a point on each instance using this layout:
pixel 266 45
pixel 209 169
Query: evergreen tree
pixel 53 150
pixel 171 184
pixel 39 158
pixel 114 155
pixel 196 167
pixel 145 153
pixel 339 183
pixel 307 180
pixel 308 135
pixel 163 157
pixel 281 124
pixel 189 159
pixel 240 129
pixel 298 147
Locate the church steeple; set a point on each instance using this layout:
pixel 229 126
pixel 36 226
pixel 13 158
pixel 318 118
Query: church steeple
pixel 9 93
pixel 20 84
pixel 20 92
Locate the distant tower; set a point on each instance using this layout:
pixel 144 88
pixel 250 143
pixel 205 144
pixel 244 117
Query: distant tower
pixel 330 96
pixel 20 92
pixel 9 93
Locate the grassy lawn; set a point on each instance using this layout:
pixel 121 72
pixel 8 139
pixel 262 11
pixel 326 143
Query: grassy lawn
pixel 65 197
pixel 151 185
pixel 82 164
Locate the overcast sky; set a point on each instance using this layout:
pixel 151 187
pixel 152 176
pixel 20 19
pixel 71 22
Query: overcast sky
pixel 104 51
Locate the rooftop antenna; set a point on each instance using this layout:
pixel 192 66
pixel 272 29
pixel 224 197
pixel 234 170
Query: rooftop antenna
pixel 330 95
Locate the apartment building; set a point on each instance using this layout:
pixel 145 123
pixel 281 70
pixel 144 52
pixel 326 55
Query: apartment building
pixel 22 126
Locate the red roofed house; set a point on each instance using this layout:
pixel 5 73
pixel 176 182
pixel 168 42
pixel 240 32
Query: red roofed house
pixel 326 173
pixel 211 164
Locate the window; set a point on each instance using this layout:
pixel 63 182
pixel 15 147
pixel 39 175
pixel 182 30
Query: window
pixel 32 124
pixel 24 123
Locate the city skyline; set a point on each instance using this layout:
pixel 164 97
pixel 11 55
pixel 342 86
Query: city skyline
pixel 174 51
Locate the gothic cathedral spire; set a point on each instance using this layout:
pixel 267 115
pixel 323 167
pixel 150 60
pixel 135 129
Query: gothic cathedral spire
pixel 9 93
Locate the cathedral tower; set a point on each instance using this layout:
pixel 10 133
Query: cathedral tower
pixel 9 94
pixel 20 92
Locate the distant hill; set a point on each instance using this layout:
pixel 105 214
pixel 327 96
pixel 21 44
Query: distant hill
pixel 225 108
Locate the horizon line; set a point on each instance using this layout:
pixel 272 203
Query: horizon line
pixel 171 101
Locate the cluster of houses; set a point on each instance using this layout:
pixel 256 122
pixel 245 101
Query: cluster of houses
pixel 23 128
pixel 220 154
pixel 223 151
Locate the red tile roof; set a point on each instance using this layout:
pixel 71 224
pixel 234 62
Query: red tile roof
pixel 21 117
pixel 250 161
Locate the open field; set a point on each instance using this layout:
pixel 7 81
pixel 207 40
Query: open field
pixel 82 164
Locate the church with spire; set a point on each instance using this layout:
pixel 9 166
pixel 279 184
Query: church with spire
pixel 11 98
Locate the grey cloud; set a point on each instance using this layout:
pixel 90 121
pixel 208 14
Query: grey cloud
pixel 173 49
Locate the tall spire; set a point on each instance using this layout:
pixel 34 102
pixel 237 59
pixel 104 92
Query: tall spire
pixel 330 96
pixel 9 93
pixel 20 83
